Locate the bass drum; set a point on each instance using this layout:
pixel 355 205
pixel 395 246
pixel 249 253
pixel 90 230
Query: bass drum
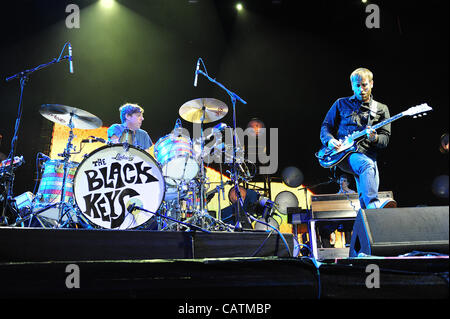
pixel 111 179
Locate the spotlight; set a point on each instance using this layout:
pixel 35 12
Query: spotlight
pixel 364 1
pixel 107 3
pixel 239 6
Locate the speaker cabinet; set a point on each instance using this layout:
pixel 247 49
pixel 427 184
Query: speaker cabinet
pixel 397 231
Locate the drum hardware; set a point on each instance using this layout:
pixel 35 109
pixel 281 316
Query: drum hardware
pixel 201 111
pixel 67 210
pixel 189 225
pixel 127 138
pixel 7 168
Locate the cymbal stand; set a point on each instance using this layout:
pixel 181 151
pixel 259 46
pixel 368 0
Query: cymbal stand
pixel 23 77
pixel 234 97
pixel 193 226
pixel 202 214
pixel 66 155
pixel 220 189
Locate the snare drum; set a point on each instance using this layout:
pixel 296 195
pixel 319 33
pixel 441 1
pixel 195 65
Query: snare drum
pixel 176 157
pixel 111 179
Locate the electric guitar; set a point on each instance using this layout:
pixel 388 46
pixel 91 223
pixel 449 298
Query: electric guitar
pixel 331 157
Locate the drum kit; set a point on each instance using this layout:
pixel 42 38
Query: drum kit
pixel 119 186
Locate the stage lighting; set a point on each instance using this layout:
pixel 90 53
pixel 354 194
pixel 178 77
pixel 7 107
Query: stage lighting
pixel 107 3
pixel 239 6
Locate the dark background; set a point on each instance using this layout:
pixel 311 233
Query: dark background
pixel 290 60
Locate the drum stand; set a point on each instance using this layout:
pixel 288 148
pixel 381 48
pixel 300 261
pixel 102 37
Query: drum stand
pixel 202 216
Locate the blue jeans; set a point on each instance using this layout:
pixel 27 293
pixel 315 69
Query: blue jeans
pixel 365 171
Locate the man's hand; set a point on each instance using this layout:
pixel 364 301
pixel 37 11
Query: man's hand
pixel 114 139
pixel 371 134
pixel 334 143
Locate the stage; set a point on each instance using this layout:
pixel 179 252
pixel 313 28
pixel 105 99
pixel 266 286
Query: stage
pixel 77 263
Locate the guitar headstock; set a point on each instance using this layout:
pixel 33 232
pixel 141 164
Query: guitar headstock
pixel 418 111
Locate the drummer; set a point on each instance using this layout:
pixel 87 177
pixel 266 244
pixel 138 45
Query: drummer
pixel 132 116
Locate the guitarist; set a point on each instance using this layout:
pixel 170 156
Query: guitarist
pixel 356 113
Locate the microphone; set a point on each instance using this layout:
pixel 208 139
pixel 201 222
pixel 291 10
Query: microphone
pixel 131 208
pixel 196 72
pixel 70 59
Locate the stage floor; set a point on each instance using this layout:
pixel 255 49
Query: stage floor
pixel 67 263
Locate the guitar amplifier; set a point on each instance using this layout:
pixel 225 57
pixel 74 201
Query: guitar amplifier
pixel 326 208
pixel 331 206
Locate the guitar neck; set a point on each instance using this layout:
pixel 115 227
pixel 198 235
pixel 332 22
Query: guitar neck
pixel 381 124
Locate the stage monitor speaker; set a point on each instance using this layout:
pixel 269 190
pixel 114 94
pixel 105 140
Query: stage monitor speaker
pixel 398 231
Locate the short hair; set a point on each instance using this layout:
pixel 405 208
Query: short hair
pixel 129 109
pixel 361 73
pixel 345 176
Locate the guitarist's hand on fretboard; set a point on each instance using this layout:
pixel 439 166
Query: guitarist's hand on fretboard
pixel 371 134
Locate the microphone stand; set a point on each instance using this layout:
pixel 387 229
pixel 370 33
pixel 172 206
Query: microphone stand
pixel 23 77
pixel 234 97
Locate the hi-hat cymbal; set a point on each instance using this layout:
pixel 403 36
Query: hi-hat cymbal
pixel 61 114
pixel 192 111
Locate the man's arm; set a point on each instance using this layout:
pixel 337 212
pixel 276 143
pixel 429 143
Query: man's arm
pixel 328 128
pixel 114 133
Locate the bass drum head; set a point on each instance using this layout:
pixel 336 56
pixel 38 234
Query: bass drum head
pixel 111 179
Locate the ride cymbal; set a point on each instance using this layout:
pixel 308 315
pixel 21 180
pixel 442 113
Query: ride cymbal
pixel 192 111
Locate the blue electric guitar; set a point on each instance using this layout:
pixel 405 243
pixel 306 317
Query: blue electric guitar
pixel 331 157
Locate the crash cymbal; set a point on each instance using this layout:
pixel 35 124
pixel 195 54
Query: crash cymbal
pixel 61 114
pixel 192 111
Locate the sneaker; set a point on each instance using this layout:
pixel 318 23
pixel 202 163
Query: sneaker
pixel 389 203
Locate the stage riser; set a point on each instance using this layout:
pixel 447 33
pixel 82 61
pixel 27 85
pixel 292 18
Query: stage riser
pixel 37 245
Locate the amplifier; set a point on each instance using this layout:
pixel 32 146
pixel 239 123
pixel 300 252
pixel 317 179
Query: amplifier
pixel 330 206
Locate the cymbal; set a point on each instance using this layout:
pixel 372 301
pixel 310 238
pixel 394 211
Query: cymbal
pixel 192 111
pixel 61 114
